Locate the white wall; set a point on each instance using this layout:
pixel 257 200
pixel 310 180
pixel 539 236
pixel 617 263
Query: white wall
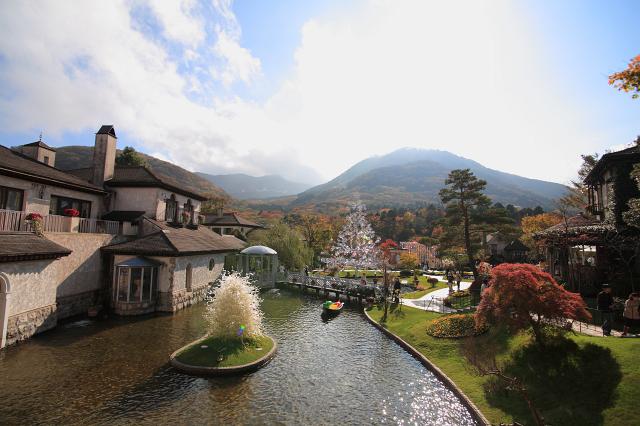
pixel 34 203
pixel 201 276
pixel 149 200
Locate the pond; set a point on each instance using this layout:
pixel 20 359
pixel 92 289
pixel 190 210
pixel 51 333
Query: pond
pixel 115 371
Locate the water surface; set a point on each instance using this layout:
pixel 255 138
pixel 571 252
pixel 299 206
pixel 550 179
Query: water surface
pixel 115 371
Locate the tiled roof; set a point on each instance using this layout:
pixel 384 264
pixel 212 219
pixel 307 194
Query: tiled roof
pixel 516 245
pixel 15 164
pixel 573 222
pixel 107 129
pixel 28 246
pixel 40 144
pixel 169 241
pixel 140 176
pixel 230 219
pixel 631 154
pixel 123 215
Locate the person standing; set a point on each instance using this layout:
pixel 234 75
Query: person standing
pixel 631 312
pixel 450 280
pixel 458 279
pixel 605 304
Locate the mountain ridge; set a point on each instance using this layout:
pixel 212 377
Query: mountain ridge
pixel 243 186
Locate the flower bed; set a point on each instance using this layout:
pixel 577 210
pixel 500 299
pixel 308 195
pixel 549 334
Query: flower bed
pixel 455 326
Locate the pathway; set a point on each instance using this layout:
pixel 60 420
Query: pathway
pixel 433 301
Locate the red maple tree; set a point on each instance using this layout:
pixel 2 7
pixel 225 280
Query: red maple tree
pixel 522 296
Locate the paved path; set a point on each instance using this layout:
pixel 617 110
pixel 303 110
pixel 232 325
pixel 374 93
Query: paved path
pixel 433 301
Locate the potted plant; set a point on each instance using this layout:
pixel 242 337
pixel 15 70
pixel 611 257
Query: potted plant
pixel 71 212
pixel 35 220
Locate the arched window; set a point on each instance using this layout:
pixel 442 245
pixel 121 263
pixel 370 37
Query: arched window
pixel 189 277
pixel 212 264
pixel 188 212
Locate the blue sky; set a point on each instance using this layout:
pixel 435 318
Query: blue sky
pixel 306 89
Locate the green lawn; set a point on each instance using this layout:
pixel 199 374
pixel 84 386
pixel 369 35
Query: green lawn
pixel 579 380
pixel 232 350
pixel 418 294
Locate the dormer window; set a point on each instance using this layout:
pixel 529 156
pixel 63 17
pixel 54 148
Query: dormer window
pixel 188 212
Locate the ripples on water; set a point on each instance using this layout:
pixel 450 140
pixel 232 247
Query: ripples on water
pixel 326 372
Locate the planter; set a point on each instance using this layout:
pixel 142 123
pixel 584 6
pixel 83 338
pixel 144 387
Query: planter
pixel 200 370
pixel 72 224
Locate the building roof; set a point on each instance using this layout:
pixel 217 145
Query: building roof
pixel 16 246
pixel 230 219
pixel 123 215
pixel 169 241
pixel 574 222
pixel 107 129
pixel 20 166
pixel 40 144
pixel 516 245
pixel 631 154
pixel 261 250
pixel 140 176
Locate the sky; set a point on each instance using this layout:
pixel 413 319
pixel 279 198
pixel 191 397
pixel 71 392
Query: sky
pixel 307 89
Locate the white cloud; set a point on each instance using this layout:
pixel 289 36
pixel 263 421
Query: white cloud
pixel 461 76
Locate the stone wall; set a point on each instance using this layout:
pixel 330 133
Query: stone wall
pixel 78 304
pixel 26 324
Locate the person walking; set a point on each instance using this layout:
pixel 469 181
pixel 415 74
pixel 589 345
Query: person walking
pixel 631 312
pixel 605 304
pixel 450 280
pixel 458 279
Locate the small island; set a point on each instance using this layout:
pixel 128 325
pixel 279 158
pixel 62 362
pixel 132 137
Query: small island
pixel 235 343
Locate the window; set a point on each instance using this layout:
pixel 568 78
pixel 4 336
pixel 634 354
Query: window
pixel 189 273
pixel 212 264
pixel 59 204
pixel 46 160
pixel 10 198
pixel 136 284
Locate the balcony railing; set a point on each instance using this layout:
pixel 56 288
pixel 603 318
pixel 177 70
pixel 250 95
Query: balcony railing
pixel 12 220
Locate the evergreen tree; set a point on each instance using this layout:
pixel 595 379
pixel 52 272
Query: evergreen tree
pixel 130 157
pixel 462 195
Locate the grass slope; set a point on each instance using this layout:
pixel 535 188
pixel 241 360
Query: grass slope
pixel 578 380
pixel 233 351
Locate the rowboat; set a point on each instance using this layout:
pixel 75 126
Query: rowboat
pixel 330 307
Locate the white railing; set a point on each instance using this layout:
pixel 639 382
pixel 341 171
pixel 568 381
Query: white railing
pixel 95 226
pixel 12 220
pixel 326 282
pixel 55 223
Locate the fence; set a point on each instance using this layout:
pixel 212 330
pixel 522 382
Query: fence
pixel 15 221
pixel 349 286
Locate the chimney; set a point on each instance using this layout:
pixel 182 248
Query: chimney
pixel 104 155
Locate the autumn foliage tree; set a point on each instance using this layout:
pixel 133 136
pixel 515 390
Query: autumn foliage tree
pixel 533 224
pixel 523 297
pixel 628 80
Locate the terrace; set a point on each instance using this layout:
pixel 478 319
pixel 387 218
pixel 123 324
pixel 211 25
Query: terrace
pixel 15 221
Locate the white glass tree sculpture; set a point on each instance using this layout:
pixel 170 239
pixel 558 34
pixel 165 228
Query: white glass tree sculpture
pixel 356 242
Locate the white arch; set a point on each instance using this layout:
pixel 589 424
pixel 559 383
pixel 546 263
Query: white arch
pixel 5 291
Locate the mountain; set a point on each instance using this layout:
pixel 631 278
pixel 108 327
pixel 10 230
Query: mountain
pixel 77 157
pixel 245 187
pixel 411 175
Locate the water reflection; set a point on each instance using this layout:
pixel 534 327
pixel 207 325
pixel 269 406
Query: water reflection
pixel 115 372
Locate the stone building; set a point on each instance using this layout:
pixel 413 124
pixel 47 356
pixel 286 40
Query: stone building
pixel 67 238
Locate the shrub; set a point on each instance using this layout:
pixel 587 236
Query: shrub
pixel 405 273
pixel 71 212
pixel 455 326
pixel 433 281
pixel 522 296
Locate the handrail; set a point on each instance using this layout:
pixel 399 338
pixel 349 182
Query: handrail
pixel 15 221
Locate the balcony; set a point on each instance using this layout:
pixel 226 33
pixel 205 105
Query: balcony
pixel 14 221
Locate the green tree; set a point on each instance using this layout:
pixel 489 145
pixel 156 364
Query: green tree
pixel 293 252
pixel 576 198
pixel 130 157
pixel 461 196
pixel 632 216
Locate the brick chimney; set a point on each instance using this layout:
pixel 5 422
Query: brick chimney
pixel 104 155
